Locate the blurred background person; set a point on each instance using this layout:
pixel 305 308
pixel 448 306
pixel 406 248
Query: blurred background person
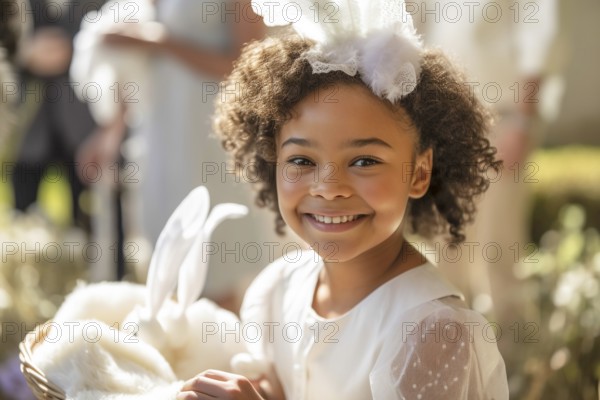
pixel 53 122
pixel 12 31
pixel 504 47
pixel 195 45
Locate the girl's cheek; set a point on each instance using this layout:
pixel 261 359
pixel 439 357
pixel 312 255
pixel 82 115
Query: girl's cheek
pixel 291 179
pixel 287 186
pixel 375 188
pixel 383 195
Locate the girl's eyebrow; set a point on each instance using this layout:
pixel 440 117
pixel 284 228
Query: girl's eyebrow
pixel 349 143
pixel 299 142
pixel 367 142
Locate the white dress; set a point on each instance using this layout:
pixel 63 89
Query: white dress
pixel 412 338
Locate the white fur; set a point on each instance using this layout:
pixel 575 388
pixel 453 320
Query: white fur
pixel 203 349
pixel 390 63
pixel 206 337
pixel 378 36
pixel 173 340
pixel 191 345
pixel 109 302
pixel 92 360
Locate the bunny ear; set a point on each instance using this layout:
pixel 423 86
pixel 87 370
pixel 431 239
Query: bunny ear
pixel 174 243
pixel 194 210
pixel 349 36
pixel 320 21
pixel 160 282
pixel 192 275
pixel 222 212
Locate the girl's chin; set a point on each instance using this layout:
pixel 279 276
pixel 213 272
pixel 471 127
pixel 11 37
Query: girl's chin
pixel 335 252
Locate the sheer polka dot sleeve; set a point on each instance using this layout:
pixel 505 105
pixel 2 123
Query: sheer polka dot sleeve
pixel 442 356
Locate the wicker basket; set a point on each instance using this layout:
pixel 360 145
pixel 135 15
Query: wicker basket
pixel 42 388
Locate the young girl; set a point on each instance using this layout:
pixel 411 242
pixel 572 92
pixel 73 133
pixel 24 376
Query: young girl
pixel 351 152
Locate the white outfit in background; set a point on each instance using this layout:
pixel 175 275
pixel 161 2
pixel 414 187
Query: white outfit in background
pixel 181 151
pixel 501 44
pixel 412 338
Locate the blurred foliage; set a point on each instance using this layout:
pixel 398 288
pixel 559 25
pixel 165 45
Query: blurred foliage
pixel 564 283
pixel 37 270
pixel 564 175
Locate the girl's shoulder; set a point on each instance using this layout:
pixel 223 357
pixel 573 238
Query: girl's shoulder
pixel 444 320
pixel 452 309
pixel 442 349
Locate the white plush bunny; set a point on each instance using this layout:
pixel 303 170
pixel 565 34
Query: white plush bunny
pixel 179 260
pixel 189 335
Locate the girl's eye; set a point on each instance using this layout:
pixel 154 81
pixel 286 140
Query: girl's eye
pixel 300 161
pixel 365 162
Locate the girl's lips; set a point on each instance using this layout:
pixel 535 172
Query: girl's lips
pixel 316 220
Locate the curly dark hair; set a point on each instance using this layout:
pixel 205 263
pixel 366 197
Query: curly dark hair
pixel 271 77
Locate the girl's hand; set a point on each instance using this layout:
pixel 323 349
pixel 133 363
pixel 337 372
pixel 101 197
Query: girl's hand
pixel 212 384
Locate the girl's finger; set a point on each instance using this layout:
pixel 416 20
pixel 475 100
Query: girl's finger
pixel 194 396
pixel 204 385
pixel 219 384
pixel 220 375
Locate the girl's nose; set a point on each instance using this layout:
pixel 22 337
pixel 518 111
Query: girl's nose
pixel 330 183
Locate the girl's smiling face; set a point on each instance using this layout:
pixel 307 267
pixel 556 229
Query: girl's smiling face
pixel 346 167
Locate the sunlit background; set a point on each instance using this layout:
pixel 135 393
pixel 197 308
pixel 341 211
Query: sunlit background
pixel 557 357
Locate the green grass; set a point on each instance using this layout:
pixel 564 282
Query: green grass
pixel 54 199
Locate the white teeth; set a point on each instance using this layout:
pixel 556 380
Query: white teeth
pixel 334 220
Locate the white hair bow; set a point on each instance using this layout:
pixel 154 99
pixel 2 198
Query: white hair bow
pixel 375 38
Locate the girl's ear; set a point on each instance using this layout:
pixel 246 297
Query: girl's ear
pixel 421 176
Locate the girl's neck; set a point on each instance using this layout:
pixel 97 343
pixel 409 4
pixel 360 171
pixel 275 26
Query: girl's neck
pixel 342 285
